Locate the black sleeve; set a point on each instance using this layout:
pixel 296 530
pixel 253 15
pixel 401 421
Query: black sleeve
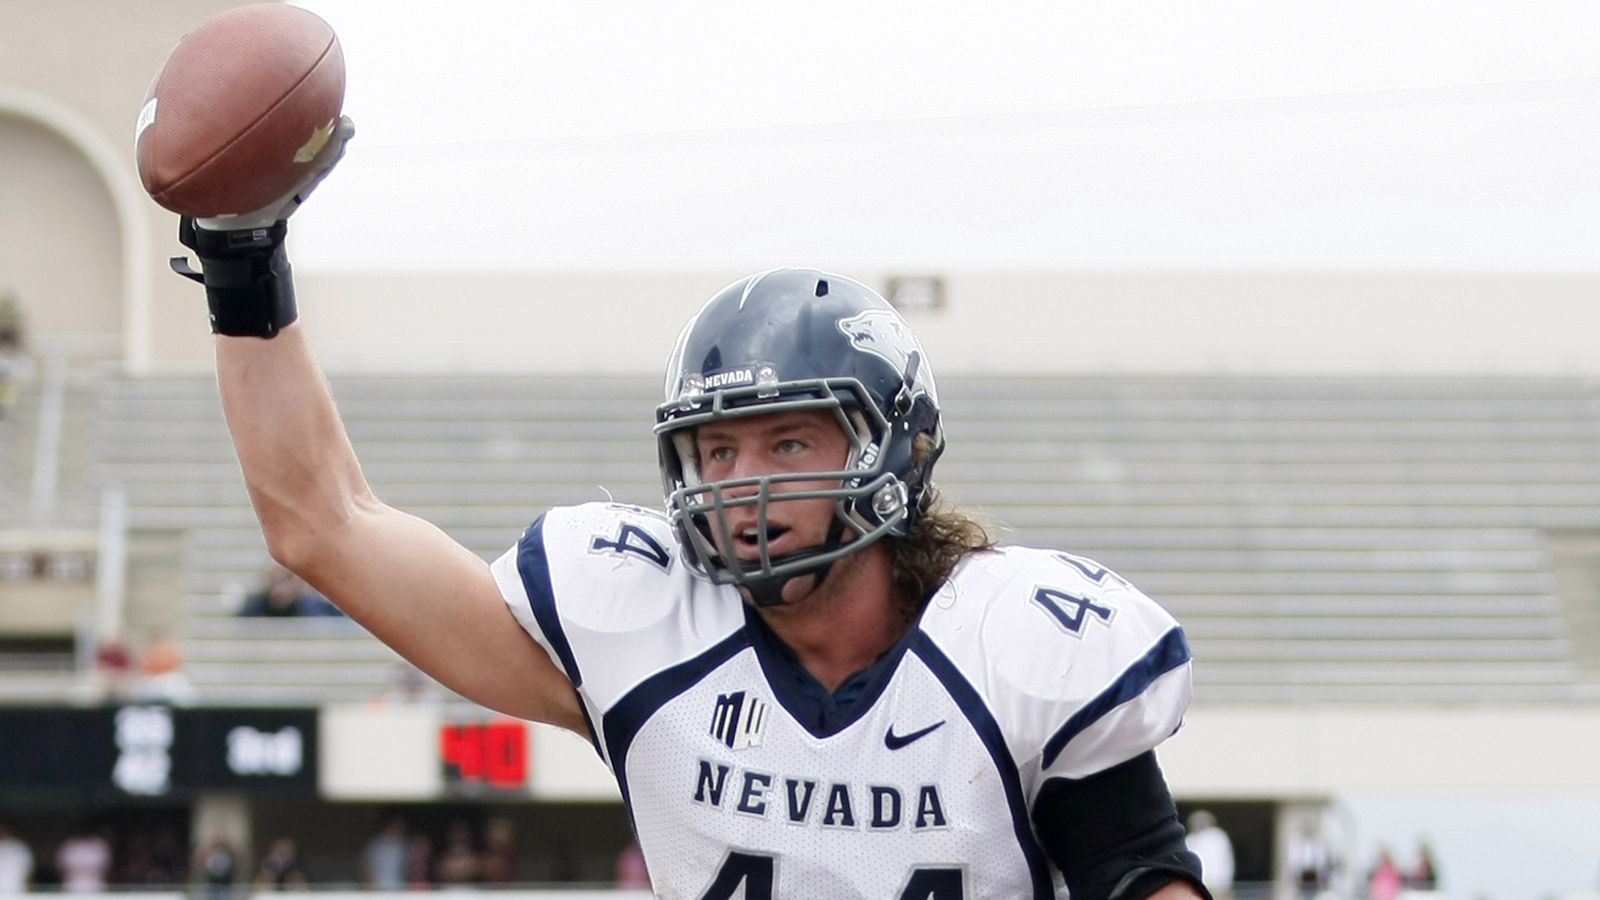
pixel 1115 835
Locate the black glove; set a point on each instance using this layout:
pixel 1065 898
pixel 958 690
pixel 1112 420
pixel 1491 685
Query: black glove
pixel 243 264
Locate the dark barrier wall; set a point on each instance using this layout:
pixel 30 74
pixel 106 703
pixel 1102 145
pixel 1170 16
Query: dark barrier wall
pixel 110 753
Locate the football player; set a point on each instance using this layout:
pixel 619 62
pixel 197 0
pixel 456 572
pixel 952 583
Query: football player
pixel 809 678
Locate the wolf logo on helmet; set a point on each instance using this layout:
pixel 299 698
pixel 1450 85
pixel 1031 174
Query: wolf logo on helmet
pixel 814 341
pixel 882 332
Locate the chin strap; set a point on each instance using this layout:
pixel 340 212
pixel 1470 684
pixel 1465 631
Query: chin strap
pixel 768 590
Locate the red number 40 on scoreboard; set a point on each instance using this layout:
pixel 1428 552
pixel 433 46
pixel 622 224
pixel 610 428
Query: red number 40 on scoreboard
pixel 494 754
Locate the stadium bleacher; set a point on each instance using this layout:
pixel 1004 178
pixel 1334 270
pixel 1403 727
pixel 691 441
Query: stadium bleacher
pixel 1322 539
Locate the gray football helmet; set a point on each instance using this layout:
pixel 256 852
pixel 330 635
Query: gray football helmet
pixel 798 339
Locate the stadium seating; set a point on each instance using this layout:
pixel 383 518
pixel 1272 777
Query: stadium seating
pixel 1361 539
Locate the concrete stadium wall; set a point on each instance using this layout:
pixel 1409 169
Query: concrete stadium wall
pixel 1046 321
pixel 1319 751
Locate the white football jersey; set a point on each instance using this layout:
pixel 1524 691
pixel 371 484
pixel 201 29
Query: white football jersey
pixel 1027 664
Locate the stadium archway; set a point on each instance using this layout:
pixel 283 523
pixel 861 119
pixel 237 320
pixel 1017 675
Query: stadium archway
pixel 74 246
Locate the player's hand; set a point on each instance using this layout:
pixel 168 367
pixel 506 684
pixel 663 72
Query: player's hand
pixel 282 208
pixel 243 264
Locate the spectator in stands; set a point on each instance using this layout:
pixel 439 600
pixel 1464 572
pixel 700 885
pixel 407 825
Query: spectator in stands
pixel 150 858
pixel 1424 876
pixel 280 869
pixel 1309 861
pixel 384 859
pixel 112 678
pixel 16 863
pixel 284 594
pixel 15 367
pixel 419 862
pixel 1385 882
pixel 216 869
pixel 1208 841
pixel 84 861
pixel 162 679
pixel 459 863
pixel 10 321
pixel 499 863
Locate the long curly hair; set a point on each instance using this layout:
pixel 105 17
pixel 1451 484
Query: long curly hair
pixel 939 538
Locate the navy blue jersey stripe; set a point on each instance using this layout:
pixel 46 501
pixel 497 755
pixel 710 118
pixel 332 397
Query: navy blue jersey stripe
pixel 1168 653
pixel 534 567
pixel 798 691
pixel 983 722
pixel 623 721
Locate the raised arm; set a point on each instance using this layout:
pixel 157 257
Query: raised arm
pixel 407 582
pixel 402 578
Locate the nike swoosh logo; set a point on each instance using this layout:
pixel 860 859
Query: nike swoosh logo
pixel 896 741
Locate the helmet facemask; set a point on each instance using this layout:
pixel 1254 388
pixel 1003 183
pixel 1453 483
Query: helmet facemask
pixel 870 502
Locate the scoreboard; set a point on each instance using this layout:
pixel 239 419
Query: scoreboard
pixel 156 751
pixel 484 756
pixel 352 752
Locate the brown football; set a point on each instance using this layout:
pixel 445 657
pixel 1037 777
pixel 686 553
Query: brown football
pixel 241 106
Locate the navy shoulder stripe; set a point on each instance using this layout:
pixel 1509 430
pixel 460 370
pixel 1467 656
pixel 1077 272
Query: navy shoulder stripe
pixel 1168 653
pixel 534 566
pixel 983 722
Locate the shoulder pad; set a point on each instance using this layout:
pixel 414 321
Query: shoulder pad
pixel 602 588
pixel 1082 670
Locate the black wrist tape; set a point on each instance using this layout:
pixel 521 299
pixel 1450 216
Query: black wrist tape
pixel 249 284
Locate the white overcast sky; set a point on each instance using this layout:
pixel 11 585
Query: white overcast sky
pixel 1237 133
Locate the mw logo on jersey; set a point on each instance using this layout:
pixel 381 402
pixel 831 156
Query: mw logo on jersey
pixel 739 720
